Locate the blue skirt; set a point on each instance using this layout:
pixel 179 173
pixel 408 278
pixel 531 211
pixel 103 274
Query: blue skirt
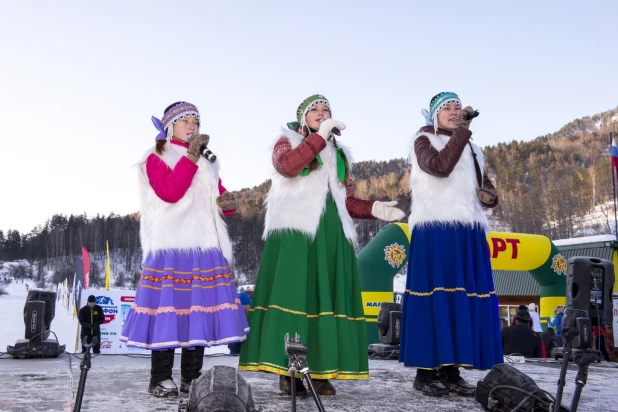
pixel 450 308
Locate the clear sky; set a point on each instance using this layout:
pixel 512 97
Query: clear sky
pixel 79 81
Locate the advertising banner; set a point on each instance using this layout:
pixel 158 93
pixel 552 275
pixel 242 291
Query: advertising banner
pixel 116 305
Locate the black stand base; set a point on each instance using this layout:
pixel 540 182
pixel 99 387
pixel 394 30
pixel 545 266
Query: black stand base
pixel 384 351
pixel 24 348
pixel 314 392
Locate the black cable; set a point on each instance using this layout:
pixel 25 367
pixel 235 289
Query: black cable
pixel 530 395
pixel 373 355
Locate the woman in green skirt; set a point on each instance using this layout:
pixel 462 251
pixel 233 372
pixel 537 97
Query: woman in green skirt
pixel 307 286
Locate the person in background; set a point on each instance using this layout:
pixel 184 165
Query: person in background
pixel 245 301
pixel 91 317
pixel 549 344
pixel 534 316
pixel 556 323
pixel 519 339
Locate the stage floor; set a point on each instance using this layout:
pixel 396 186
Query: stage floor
pixel 118 383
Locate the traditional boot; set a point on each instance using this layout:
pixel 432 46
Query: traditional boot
pixel 285 385
pixel 324 387
pixel 161 383
pixel 450 377
pixel 427 383
pixel 191 362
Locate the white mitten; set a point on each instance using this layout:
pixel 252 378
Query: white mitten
pixel 386 211
pixel 327 126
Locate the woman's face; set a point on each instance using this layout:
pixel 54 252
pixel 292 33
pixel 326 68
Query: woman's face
pixel 185 127
pixel 446 116
pixel 319 112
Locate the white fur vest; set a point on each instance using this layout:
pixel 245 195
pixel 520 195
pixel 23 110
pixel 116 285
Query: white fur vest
pixel 192 222
pixel 446 199
pixel 298 202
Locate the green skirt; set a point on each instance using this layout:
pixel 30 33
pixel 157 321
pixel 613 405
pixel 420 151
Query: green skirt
pixel 309 288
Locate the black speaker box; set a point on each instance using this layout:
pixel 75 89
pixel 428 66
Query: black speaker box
pixel 35 321
pixel 389 323
pixel 49 298
pixel 590 285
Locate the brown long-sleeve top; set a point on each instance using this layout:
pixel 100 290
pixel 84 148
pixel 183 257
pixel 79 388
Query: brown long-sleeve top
pixel 441 163
pixel 289 162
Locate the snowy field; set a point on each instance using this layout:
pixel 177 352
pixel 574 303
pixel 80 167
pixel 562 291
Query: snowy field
pixel 119 382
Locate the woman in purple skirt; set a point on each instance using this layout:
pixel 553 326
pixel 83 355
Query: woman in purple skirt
pixel 186 296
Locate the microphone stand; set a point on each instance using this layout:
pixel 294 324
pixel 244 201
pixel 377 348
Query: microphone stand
pixel 85 367
pixel 297 354
pixel 581 357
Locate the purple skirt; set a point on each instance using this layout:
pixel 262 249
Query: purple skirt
pixel 185 299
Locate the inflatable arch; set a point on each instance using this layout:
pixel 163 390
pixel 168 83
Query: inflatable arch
pixel 387 254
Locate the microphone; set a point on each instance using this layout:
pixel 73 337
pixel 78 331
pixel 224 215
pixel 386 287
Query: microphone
pixel 472 115
pixel 205 151
pixel 334 130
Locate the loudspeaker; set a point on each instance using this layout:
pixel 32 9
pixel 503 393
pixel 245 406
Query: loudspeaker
pixel 220 389
pixel 505 399
pixel 35 323
pixel 49 299
pixel 590 284
pixel 39 311
pixel 577 328
pixel 389 323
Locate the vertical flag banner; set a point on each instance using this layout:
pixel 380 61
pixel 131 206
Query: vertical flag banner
pixel 614 153
pixel 86 267
pixel 79 275
pixel 73 294
pixel 107 269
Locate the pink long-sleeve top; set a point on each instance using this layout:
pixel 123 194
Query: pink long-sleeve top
pixel 172 184
pixel 290 162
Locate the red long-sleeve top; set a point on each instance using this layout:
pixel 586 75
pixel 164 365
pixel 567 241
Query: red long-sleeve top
pixel 289 162
pixel 170 185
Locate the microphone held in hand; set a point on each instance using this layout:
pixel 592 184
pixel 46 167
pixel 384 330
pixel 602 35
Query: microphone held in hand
pixel 334 130
pixel 204 150
pixel 472 115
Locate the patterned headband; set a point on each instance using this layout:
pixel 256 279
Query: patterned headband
pixel 170 117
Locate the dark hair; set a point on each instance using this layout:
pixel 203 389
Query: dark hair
pixel 160 146
pixel 170 106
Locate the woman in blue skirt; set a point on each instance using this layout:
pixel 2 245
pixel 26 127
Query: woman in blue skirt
pixel 450 308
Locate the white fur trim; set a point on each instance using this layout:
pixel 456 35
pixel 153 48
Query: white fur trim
pixel 449 199
pixel 298 202
pixel 192 222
